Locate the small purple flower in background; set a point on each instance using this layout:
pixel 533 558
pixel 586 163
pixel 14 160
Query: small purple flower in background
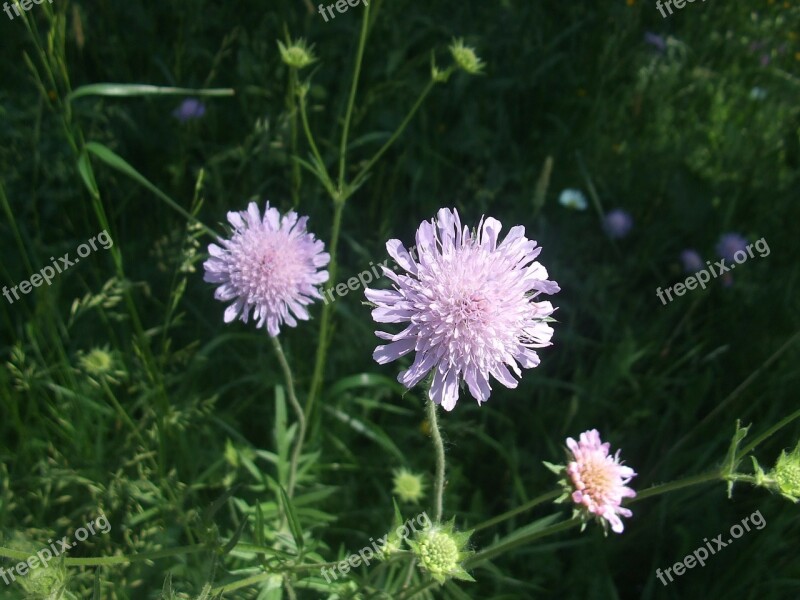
pixel 692 261
pixel 655 40
pixel 618 223
pixel 765 60
pixel 190 109
pixel 270 265
pixel 469 305
pixel 729 244
pixel 726 280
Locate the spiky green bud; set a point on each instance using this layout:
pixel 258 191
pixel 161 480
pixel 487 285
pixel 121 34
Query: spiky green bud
pixel 440 551
pixel 786 474
pixel 408 486
pixel 297 55
pixel 466 58
pixel 47 583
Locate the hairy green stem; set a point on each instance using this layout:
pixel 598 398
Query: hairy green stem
pixel 657 490
pixel 438 446
pixel 301 418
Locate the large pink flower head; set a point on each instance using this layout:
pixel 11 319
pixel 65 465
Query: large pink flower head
pixel 470 307
pixel 597 480
pixel 270 265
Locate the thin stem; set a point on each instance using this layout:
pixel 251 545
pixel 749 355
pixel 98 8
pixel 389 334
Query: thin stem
pixel 657 490
pixel 301 418
pixel 769 432
pixel 112 560
pixel 515 541
pixel 439 447
pixel 310 140
pixel 519 510
pixel 364 170
pixel 291 101
pixel 352 100
pixel 322 346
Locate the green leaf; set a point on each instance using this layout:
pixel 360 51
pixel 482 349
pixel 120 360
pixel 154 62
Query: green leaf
pixel 291 515
pixel 373 432
pixel 209 513
pixel 129 90
pixel 120 164
pixel 86 173
pixel 235 539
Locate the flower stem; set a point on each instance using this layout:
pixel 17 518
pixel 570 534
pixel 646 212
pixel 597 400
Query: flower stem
pixel 99 561
pixel 301 418
pixel 439 447
pixel 677 485
pixel 291 102
pixel 365 169
pixel 779 425
pixel 352 100
pixel 322 346
pixel 520 509
pixel 514 541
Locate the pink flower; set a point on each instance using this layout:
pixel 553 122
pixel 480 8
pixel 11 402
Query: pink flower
pixel 268 265
pixel 469 304
pixel 599 480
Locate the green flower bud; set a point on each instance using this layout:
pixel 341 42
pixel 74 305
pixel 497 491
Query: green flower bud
pixel 440 552
pixel 98 362
pixel 466 58
pixel 408 486
pixel 297 55
pixel 47 583
pixel 786 474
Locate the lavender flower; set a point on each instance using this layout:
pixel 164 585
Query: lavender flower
pixel 270 265
pixel 618 223
pixel 692 261
pixel 190 109
pixel 469 304
pixel 729 244
pixel 655 40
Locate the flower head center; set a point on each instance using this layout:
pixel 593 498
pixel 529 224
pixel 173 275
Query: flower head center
pixel 268 268
pixel 439 552
pixel 595 479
